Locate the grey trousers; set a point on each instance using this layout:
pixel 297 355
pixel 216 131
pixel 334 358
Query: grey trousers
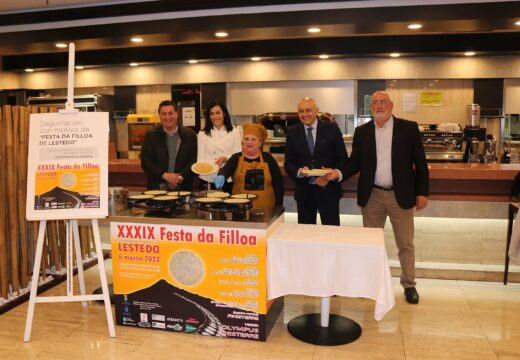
pixel 382 204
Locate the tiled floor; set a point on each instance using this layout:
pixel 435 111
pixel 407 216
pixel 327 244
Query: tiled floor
pixel 454 320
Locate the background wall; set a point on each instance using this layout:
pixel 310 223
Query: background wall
pixel 512 96
pixel 335 97
pixel 148 97
pixel 456 95
pixel 241 71
pixel 9 80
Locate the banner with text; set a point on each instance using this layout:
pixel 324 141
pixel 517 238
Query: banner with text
pixel 68 166
pixel 207 280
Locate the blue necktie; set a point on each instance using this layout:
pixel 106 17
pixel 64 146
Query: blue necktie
pixel 310 144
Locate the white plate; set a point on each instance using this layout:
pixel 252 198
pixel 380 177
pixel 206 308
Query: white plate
pixel 315 172
pixel 214 168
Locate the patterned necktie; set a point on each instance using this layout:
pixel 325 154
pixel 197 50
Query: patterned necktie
pixel 310 144
pixel 310 140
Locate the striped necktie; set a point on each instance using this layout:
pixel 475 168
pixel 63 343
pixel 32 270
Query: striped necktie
pixel 310 144
pixel 310 140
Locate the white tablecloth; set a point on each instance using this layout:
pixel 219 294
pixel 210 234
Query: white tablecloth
pixel 319 260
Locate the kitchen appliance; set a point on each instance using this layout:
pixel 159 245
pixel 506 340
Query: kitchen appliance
pixel 211 207
pixel 473 150
pixel 279 122
pixel 473 134
pixel 473 115
pixel 442 143
pixel 158 205
pixel 511 144
pixel 117 200
pixel 138 125
pixel 490 149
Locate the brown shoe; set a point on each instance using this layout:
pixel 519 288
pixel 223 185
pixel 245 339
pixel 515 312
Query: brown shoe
pixel 412 296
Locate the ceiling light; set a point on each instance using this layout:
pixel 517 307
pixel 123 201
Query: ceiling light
pixel 469 53
pixel 255 58
pixel 192 61
pixel 314 30
pixel 134 64
pixel 324 56
pixel 61 45
pixel 79 67
pixel 517 23
pixel 414 26
pixel 136 40
pixel 395 55
pixel 29 70
pixel 221 34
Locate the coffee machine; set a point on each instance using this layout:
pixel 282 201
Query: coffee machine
pixel 473 135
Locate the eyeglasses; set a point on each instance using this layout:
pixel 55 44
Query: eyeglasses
pixel 383 102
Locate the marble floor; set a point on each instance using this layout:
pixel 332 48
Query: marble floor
pixel 454 320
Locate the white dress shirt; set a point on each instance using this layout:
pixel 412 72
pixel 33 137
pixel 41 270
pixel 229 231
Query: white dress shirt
pixel 384 154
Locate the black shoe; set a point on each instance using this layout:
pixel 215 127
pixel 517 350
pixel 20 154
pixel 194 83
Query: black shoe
pixel 412 296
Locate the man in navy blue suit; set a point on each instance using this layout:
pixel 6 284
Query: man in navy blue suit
pixel 393 179
pixel 315 144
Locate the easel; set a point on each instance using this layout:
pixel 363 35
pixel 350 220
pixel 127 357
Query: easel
pixel 72 245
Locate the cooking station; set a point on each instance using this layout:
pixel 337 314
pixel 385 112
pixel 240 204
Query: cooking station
pixel 443 143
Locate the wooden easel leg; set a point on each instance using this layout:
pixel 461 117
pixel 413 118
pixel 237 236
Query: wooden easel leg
pixel 103 276
pixel 35 281
pixel 79 259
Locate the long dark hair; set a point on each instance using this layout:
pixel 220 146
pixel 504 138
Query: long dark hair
pixel 227 117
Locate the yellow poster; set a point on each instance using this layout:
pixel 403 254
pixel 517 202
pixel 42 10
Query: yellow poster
pixel 189 275
pixel 431 98
pixel 67 186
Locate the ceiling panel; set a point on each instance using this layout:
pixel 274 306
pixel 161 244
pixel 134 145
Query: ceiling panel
pixel 487 28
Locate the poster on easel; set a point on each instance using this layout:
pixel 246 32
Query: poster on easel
pixel 67 175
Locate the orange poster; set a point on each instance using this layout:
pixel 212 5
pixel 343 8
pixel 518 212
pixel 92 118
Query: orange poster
pixel 190 276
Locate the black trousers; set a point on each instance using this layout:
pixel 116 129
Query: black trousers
pixel 317 199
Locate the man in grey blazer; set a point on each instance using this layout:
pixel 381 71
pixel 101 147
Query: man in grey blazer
pixel 393 179
pixel 168 152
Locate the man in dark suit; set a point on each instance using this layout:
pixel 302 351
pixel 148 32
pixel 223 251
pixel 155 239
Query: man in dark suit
pixel 168 152
pixel 315 144
pixel 393 179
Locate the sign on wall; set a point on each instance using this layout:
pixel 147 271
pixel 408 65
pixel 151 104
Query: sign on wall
pixel 431 98
pixel 67 175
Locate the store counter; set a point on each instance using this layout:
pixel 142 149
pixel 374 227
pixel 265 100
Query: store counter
pixel 448 181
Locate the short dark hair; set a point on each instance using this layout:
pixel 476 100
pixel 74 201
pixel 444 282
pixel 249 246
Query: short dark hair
pixel 227 117
pixel 167 103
